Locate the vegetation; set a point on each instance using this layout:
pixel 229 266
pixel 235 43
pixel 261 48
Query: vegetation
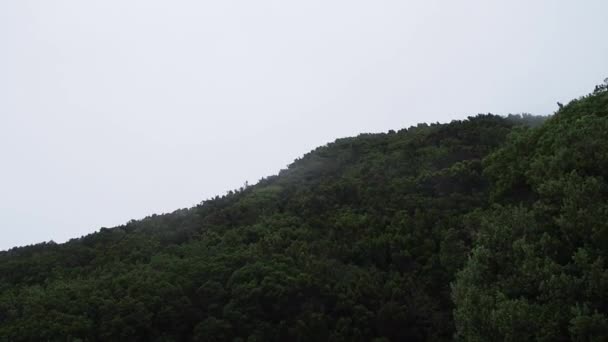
pixel 487 229
pixel 538 269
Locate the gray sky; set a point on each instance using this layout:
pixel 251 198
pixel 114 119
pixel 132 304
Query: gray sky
pixel 117 109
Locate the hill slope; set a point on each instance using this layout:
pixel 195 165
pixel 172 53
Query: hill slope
pixel 538 270
pixel 357 240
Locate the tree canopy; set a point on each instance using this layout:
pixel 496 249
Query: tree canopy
pixel 489 228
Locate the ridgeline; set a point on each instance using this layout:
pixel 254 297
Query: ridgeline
pixel 486 229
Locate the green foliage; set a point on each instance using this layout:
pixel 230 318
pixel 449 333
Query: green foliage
pixel 490 228
pixel 538 269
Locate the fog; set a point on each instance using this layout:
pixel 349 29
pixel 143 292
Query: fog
pixel 113 110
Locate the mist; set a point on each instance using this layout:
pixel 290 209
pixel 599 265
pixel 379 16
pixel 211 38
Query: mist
pixel 114 110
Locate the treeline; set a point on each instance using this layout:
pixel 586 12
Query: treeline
pixel 487 229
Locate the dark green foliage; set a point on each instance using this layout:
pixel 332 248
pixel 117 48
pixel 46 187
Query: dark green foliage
pixel 357 240
pixel 538 269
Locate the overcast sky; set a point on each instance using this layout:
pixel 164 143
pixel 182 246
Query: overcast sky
pixel 117 109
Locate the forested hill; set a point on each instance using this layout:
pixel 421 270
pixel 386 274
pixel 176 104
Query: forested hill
pixel 486 229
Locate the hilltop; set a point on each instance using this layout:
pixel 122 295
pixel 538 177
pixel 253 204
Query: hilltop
pixel 488 228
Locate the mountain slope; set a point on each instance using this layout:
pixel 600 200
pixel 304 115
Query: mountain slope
pixel 357 240
pixel 538 270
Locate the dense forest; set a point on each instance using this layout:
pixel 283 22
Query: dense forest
pixel 491 228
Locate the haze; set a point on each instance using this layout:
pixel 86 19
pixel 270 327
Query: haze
pixel 112 110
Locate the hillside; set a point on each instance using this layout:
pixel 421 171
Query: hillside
pixel 489 228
